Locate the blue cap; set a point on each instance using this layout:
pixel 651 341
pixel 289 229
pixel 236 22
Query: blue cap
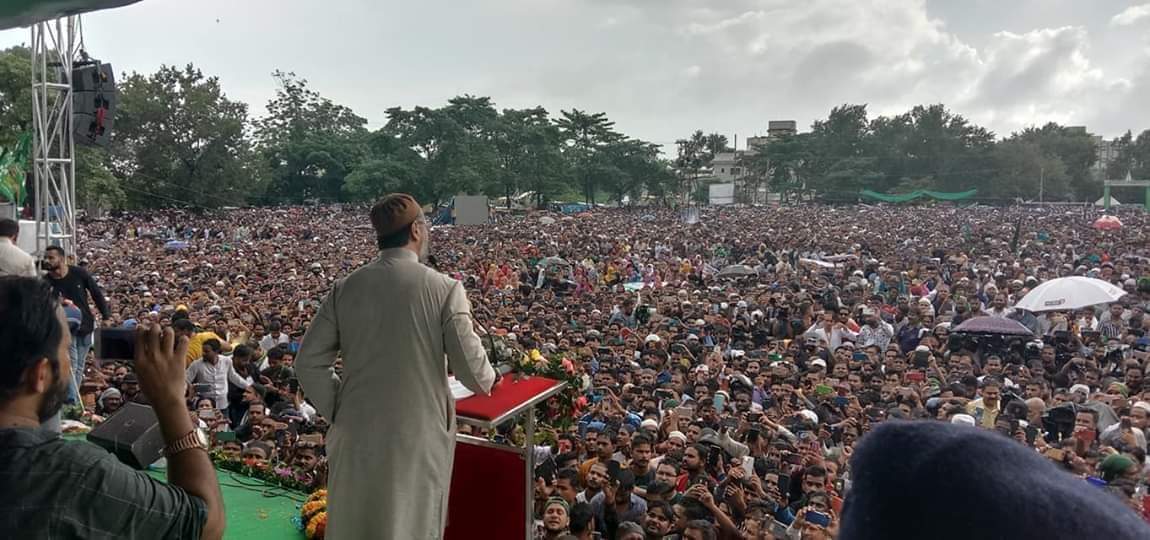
pixel 74 316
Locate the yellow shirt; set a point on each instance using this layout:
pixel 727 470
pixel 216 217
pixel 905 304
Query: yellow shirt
pixel 196 346
pixel 983 416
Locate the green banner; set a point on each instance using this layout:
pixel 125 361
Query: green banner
pixel 13 169
pixel 917 194
pixel 14 13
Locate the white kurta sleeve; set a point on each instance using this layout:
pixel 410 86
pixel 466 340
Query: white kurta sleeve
pixel 465 354
pixel 29 269
pixel 317 354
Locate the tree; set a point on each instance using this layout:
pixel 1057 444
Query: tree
pixel 454 142
pixel 1078 153
pixel 717 143
pixel 784 163
pixel 527 144
pixel 1133 157
pixel 180 141
pixel 310 144
pixel 839 161
pixel 388 167
pixel 15 94
pixel 948 149
pixel 1023 168
pixel 633 167
pixel 584 136
pixel 96 186
pixel 691 156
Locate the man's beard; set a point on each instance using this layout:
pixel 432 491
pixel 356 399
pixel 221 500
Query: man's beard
pixel 425 250
pixel 54 398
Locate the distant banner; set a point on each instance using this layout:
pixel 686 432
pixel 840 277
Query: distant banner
pixel 907 197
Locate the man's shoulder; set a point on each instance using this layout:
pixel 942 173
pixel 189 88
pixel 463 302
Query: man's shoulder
pixel 372 271
pixel 47 453
pixel 79 272
pixel 9 249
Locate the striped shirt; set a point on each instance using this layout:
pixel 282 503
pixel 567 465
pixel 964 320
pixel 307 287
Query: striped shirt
pixel 52 488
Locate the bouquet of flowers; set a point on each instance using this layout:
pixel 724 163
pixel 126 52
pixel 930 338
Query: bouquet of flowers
pixel 564 408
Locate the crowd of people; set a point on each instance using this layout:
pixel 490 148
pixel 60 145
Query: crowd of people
pixel 729 364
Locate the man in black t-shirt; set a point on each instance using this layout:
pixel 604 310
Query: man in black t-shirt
pixel 75 285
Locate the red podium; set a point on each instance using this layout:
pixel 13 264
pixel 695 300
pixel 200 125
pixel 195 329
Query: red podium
pixel 492 484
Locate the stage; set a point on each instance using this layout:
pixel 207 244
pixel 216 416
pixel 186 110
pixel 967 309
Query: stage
pixel 256 510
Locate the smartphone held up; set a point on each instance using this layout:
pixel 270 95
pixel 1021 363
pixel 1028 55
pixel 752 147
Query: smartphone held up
pixel 115 344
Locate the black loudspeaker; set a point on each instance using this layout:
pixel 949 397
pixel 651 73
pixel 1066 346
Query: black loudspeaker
pixel 93 77
pixel 132 434
pixel 94 101
pixel 93 116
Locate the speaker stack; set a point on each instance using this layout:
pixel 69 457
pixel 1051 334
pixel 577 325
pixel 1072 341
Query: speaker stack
pixel 94 100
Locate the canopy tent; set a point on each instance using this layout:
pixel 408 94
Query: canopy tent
pixel 907 197
pixel 1102 202
pixel 15 13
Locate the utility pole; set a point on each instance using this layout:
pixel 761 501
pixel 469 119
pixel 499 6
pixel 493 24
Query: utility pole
pixel 1041 182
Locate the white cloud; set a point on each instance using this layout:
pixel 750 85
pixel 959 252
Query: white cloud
pixel 1131 15
pixel 662 68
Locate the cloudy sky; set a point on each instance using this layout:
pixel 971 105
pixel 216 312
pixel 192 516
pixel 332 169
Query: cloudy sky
pixel 663 68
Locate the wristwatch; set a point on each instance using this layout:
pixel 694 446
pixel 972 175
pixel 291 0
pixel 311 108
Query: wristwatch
pixel 196 438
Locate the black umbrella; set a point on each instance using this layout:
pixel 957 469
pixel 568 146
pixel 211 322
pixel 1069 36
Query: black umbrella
pixel 993 325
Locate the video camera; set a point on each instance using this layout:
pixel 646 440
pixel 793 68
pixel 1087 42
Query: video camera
pixel 1059 421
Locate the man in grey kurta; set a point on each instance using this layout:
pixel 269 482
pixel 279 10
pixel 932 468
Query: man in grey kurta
pixel 391 442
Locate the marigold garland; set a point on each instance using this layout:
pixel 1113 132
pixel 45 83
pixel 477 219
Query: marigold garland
pixel 314 515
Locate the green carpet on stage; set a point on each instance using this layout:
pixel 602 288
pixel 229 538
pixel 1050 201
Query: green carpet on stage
pixel 256 510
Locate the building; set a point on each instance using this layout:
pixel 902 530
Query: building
pixel 780 128
pixel 753 143
pixel 725 166
pixel 775 129
pixel 1105 152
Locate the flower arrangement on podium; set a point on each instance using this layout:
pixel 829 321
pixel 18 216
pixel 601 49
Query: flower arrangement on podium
pixel 273 474
pixel 565 407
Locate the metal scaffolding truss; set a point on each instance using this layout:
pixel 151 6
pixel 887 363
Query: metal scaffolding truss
pixel 54 47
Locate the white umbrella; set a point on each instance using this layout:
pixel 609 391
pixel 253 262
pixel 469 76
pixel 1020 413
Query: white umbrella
pixel 547 220
pixel 1072 292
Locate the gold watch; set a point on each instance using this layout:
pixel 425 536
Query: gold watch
pixel 196 438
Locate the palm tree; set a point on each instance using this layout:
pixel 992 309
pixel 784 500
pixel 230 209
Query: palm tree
pixel 584 136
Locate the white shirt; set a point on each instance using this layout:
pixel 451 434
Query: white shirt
pixel 217 375
pixel 1003 314
pixel 13 260
pixel 268 342
pixel 836 337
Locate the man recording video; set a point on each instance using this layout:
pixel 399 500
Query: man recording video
pixel 391 442
pixel 64 489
